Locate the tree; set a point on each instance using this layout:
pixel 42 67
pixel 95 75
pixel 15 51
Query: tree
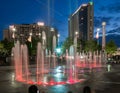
pixel 1 46
pixel 32 46
pixel 80 45
pixel 110 47
pixel 3 51
pixel 91 45
pixel 66 45
pixel 7 46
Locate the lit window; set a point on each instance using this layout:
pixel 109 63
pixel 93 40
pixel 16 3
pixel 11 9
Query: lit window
pixel 82 18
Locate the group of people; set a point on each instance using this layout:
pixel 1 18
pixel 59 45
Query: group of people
pixel 34 89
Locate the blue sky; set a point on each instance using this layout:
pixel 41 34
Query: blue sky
pixel 109 11
pixel 56 13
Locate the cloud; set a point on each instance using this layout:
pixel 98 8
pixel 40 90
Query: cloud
pixel 115 38
pixel 114 31
pixel 98 20
pixel 115 25
pixel 117 19
pixel 111 8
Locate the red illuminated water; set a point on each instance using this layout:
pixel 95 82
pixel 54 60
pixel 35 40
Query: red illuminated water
pixel 42 71
pixel 18 61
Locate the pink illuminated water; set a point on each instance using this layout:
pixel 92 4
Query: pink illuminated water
pixel 18 61
pixel 40 64
pixel 20 53
pixel 89 60
pixel 25 63
pixel 42 73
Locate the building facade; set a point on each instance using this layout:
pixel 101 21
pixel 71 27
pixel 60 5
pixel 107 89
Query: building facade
pixel 81 21
pixel 22 32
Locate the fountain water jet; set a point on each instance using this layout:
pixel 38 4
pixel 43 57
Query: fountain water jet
pixel 20 53
pixel 17 61
pixel 39 72
pixel 74 61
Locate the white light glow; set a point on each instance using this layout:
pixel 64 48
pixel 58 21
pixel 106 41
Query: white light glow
pixel 40 23
pixel 76 33
pixel 43 37
pixel 30 34
pixel 12 27
pixel 81 57
pixel 58 35
pixel 51 29
pixel 98 29
pixel 103 23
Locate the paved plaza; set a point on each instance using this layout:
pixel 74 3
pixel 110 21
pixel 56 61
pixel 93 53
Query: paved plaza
pixel 101 81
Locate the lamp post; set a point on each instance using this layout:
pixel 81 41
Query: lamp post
pixel 52 39
pixel 75 41
pixel 75 52
pixel 103 35
pixel 97 35
pixel 58 39
pixel 75 45
pixel 104 56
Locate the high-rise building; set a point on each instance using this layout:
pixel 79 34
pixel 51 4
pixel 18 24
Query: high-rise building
pixel 81 21
pixel 22 32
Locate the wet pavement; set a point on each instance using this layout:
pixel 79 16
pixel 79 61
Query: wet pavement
pixel 98 79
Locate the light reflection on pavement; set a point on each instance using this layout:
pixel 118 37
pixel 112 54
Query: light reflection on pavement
pixel 101 81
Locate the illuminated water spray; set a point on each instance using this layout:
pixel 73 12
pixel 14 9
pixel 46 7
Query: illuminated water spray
pixel 20 53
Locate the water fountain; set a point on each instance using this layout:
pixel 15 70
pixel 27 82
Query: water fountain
pixel 21 62
pixel 40 64
pixel 43 73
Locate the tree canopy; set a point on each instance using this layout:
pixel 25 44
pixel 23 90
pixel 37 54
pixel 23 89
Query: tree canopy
pixel 111 47
pixel 91 45
pixel 67 43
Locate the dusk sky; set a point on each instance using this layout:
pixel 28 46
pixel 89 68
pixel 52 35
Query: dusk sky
pixel 56 13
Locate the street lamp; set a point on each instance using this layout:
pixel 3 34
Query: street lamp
pixel 75 51
pixel 75 39
pixel 52 39
pixel 75 43
pixel 103 41
pixel 97 35
pixel 103 35
pixel 58 39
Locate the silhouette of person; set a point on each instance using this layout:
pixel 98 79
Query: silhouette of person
pixel 69 92
pixel 33 89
